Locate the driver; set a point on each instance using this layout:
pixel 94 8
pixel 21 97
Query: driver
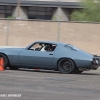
pixel 48 48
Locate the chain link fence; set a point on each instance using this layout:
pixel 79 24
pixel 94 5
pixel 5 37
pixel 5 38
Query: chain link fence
pixel 18 32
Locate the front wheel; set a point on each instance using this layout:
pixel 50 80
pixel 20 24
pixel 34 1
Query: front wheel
pixel 66 66
pixel 6 62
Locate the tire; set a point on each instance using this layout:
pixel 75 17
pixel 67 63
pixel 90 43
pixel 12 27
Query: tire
pixel 13 68
pixel 66 66
pixel 77 71
pixel 6 62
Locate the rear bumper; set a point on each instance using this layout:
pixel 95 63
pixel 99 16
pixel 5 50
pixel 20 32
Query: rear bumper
pixel 95 62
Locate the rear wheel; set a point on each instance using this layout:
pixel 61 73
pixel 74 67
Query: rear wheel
pixel 6 62
pixel 66 66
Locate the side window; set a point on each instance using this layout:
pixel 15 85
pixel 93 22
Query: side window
pixel 49 47
pixel 43 47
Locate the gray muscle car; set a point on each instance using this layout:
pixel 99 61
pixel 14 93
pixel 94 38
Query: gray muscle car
pixel 49 55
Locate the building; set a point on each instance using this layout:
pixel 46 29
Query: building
pixel 38 9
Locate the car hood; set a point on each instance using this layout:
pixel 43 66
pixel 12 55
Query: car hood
pixel 5 50
pixel 10 48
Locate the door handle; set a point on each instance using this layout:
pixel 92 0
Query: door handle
pixel 50 54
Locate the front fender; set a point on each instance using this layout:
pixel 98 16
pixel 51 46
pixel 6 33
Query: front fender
pixel 12 54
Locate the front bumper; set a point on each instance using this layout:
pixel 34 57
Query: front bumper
pixel 95 62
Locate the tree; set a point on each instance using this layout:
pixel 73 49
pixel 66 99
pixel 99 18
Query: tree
pixel 90 11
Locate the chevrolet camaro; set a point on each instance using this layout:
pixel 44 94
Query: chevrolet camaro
pixel 49 55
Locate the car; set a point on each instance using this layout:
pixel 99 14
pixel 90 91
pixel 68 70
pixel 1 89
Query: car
pixel 49 55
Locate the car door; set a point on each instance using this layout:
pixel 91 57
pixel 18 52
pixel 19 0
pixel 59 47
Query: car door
pixel 36 59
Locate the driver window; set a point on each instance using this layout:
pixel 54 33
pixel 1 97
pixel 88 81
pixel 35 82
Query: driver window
pixel 48 47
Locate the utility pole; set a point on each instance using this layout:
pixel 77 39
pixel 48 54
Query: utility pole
pixel 18 5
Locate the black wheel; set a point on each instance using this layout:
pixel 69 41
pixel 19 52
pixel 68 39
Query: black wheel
pixel 13 68
pixel 6 62
pixel 77 71
pixel 66 66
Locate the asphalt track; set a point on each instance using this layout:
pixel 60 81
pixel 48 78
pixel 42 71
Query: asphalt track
pixel 49 85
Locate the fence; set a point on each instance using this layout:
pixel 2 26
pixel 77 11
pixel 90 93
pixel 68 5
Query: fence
pixel 86 36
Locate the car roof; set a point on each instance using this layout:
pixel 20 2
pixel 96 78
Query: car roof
pixel 52 42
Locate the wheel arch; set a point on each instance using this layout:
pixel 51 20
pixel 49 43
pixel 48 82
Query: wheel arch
pixel 6 57
pixel 66 58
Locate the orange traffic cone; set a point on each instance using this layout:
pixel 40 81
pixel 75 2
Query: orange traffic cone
pixel 1 64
